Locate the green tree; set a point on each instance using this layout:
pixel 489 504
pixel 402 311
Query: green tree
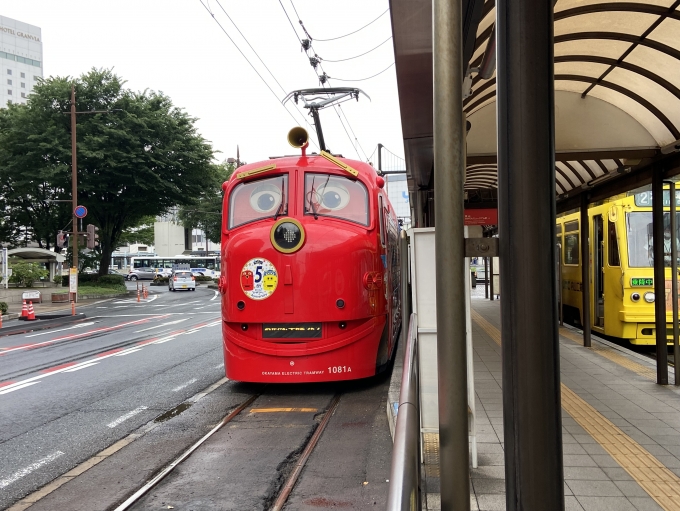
pixel 23 274
pixel 142 233
pixel 139 160
pixel 206 211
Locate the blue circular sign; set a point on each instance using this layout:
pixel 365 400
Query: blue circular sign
pixel 80 211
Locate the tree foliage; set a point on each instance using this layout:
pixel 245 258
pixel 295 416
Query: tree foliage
pixel 24 274
pixel 138 160
pixel 206 211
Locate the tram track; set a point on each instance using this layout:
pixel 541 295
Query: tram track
pixel 292 467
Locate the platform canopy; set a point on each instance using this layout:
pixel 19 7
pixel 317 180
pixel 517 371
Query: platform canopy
pixel 36 255
pixel 617 90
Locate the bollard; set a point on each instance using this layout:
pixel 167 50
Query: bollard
pixel 137 294
pixel 0 320
pixel 73 308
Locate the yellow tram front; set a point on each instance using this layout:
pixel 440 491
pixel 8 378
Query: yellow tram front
pixel 621 266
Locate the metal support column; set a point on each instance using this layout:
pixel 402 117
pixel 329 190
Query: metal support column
pixel 674 282
pixel 486 277
pixel 659 278
pixel 405 291
pixel 449 173
pixel 491 277
pixel 534 475
pixel 585 270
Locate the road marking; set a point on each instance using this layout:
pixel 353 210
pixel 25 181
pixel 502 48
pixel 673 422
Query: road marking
pixel 277 410
pixel 58 368
pixel 17 387
pixel 164 324
pixel 216 295
pixel 31 468
pixel 185 385
pixel 128 351
pixel 165 339
pixel 105 329
pixel 127 416
pixel 79 367
pixel 220 366
pixel 80 325
pixel 658 481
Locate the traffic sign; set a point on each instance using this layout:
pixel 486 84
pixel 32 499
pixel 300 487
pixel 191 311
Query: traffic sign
pixel 80 212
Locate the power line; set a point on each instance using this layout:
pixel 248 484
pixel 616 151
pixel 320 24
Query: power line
pixel 340 37
pixel 357 56
pixel 250 63
pixel 363 79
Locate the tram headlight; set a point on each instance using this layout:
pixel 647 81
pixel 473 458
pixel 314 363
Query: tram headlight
pixel 649 297
pixel 635 297
pixel 287 235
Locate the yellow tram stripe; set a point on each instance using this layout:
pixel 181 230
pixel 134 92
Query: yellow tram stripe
pixel 252 172
pixel 339 163
pixel 276 410
pixel 658 481
pixel 617 358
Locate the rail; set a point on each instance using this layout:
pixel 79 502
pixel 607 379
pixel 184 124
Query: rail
pixel 404 492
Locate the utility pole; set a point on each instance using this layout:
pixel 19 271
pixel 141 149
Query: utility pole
pixel 74 177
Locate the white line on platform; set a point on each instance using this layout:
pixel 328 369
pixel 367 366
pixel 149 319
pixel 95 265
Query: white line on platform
pixel 185 385
pixel 125 417
pixel 81 366
pixel 17 387
pixel 80 325
pixel 25 471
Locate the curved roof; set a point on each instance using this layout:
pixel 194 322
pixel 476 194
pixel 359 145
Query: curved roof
pixel 35 253
pixel 617 83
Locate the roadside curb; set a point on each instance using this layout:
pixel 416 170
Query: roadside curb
pixel 49 321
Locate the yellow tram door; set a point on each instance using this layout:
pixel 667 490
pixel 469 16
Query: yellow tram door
pixel 598 271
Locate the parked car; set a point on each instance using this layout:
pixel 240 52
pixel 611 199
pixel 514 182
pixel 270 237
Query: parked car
pixel 141 274
pixel 182 279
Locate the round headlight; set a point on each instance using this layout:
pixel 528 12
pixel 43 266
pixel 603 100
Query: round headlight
pixel 649 297
pixel 635 297
pixel 287 235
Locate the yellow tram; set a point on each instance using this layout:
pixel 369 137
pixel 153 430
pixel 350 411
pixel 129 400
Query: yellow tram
pixel 621 266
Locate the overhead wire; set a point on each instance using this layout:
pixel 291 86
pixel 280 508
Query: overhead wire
pixel 363 79
pixel 357 56
pixel 342 36
pixel 247 60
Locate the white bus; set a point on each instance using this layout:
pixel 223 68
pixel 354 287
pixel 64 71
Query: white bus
pixel 206 266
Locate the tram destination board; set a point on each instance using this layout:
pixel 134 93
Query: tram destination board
pixel 291 330
pixel 641 282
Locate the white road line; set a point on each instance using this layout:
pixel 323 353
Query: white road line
pixel 80 325
pixel 81 366
pixel 220 366
pixel 125 417
pixel 127 352
pixel 164 339
pixel 164 324
pixel 216 295
pixel 31 468
pixel 12 388
pixel 185 385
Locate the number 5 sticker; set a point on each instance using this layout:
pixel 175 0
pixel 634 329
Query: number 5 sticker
pixel 259 279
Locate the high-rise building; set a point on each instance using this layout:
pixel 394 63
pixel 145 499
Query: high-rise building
pixel 21 60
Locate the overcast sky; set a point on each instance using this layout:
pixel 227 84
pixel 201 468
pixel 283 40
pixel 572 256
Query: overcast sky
pixel 175 46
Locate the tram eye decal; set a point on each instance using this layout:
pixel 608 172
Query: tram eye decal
pixel 265 198
pixel 333 197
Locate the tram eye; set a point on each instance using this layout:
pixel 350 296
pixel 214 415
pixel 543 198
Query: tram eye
pixel 635 297
pixel 265 198
pixel 334 197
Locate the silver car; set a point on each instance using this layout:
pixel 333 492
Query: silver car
pixel 182 279
pixel 141 274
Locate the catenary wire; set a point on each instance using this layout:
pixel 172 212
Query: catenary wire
pixel 260 59
pixel 357 56
pixel 254 69
pixel 358 30
pixel 363 79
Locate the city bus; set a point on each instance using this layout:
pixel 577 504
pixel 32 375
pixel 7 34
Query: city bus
pixel 208 266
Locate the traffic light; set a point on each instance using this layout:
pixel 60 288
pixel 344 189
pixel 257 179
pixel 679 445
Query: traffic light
pixel 62 239
pixel 92 236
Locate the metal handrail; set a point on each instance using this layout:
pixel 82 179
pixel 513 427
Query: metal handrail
pixel 404 492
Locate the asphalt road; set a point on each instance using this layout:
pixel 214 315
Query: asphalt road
pixel 69 392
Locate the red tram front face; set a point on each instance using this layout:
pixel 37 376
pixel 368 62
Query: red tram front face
pixel 303 273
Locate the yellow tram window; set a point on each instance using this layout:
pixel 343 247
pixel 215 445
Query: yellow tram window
pixel 571 251
pixel 613 245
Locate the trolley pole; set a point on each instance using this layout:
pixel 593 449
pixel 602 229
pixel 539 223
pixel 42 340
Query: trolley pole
pixel 659 278
pixel 534 474
pixel 449 174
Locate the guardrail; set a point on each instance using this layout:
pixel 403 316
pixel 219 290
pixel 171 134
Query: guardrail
pixel 404 492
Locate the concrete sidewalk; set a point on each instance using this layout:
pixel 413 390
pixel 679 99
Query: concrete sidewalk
pixel 621 431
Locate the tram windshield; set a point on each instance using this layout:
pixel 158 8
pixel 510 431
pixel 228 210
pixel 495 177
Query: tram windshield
pixel 640 244
pixel 259 199
pixel 336 196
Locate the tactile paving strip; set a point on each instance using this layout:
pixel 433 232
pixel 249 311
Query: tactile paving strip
pixel 659 482
pixel 431 454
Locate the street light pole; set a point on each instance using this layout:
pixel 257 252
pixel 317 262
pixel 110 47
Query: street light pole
pixel 74 177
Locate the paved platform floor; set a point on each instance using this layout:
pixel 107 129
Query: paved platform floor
pixel 621 431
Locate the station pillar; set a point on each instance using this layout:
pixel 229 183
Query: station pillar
pixel 659 278
pixel 534 476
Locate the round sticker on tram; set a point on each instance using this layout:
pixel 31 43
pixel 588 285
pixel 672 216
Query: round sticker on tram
pixel 287 235
pixel 259 278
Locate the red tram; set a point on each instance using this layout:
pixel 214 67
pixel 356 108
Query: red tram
pixel 310 270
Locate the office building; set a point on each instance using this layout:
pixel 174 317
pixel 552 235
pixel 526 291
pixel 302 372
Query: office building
pixel 21 60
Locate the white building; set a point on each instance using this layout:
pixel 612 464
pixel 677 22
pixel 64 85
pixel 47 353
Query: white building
pixel 21 60
pixel 397 191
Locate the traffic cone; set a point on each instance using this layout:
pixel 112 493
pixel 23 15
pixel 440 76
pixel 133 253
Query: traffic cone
pixel 0 319
pixel 31 312
pixel 137 294
pixel 24 311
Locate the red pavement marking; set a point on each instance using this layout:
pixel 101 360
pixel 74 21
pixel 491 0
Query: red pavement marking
pixel 4 384
pixel 109 352
pixel 56 368
pixel 148 341
pixel 106 329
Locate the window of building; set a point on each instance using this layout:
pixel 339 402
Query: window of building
pixel 198 238
pixel 23 85
pixel 9 82
pixel 35 78
pixel 9 71
pixel 23 94
pixel 23 75
pixel 9 91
